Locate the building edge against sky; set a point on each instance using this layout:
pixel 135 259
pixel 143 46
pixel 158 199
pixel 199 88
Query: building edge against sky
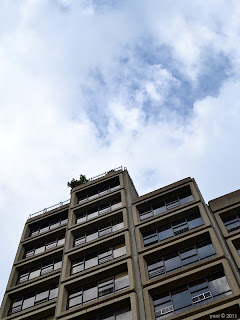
pixel 111 254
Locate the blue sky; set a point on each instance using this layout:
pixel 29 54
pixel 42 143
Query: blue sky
pixel 86 86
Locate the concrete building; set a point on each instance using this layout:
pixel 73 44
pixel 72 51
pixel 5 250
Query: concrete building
pixel 108 254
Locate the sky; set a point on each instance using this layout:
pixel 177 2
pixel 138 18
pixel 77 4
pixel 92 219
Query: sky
pixel 90 85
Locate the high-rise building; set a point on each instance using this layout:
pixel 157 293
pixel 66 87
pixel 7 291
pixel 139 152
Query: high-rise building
pixel 109 254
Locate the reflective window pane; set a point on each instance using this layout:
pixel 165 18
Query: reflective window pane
pixel 121 281
pixel 42 296
pixel 181 299
pixel 172 261
pixel 205 250
pixel 119 250
pixel 89 293
pixel 91 235
pixel 28 302
pixel 219 284
pixel 165 232
pixel 34 274
pixel 91 261
pixel 194 221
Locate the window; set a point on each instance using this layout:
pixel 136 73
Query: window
pixel 39 270
pixel 161 206
pixel 180 258
pixel 98 232
pixel 190 295
pixel 98 289
pixel 232 223
pixel 43 247
pixel 101 209
pixel 33 299
pixel 119 314
pixel 98 191
pixel 45 226
pixel 172 229
pixel 97 258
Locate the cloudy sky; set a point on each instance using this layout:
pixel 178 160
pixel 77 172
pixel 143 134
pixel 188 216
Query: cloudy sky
pixel 89 85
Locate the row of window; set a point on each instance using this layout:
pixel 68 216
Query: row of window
pixel 40 270
pixel 172 229
pixel 33 299
pixel 47 245
pixel 98 191
pixel 98 289
pixel 98 232
pixel 232 223
pixel 167 204
pixel 180 258
pixel 190 295
pixel 101 209
pixel 98 258
pixel 120 314
pixel 51 224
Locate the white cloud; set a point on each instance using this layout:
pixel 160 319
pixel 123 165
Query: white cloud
pixel 49 124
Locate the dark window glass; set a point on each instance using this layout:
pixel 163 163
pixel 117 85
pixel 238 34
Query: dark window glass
pixel 167 204
pixel 190 295
pixel 150 237
pixel 205 249
pixel 180 226
pixel 163 305
pixel 181 299
pixel 194 221
pixel 180 258
pixel 98 232
pixel 98 191
pixel 232 223
pixel 172 261
pixel 189 255
pixel 170 230
pixel 165 232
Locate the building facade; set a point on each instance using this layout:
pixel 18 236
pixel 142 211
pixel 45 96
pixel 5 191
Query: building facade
pixel 109 254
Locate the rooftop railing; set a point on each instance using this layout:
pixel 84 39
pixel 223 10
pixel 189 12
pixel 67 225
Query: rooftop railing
pixel 62 203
